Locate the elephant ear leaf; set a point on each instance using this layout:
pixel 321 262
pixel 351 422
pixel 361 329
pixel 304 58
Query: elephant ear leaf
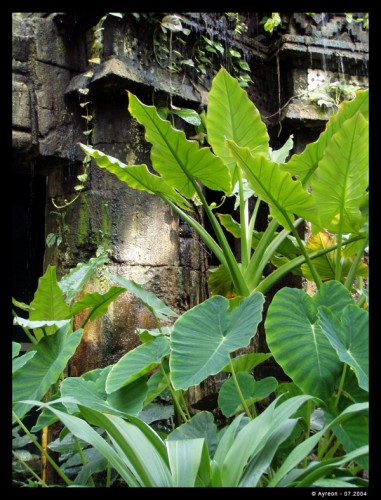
pixel 179 161
pixel 348 335
pixel 204 336
pixel 231 115
pixel 341 179
pixel 296 340
pixel 305 163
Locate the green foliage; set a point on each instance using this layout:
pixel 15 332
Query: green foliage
pixel 204 337
pixel 271 23
pixel 314 432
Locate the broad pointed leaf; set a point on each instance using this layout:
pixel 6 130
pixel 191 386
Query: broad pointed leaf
pixel 136 363
pixel 15 349
pixel 136 176
pixel 247 362
pixel 149 299
pixel 19 361
pixel 127 400
pixel 48 302
pixel 252 390
pixel 73 282
pixel 306 162
pixel 156 411
pixel 280 155
pixel 231 115
pixel 157 383
pixel 97 302
pixel 220 282
pixel 52 355
pixel 297 342
pixel 204 336
pixel 179 161
pixel 348 334
pixel 325 265
pixel 276 187
pixel 342 177
pixel 201 425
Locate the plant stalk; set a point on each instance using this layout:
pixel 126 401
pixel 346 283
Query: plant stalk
pixel 241 397
pixel 29 469
pixel 341 385
pixel 243 212
pixel 174 395
pixel 353 270
pixel 302 247
pixel 37 444
pixel 83 459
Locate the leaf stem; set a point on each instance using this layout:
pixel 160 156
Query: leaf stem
pixel 174 395
pixel 303 249
pixel 307 435
pixel 241 397
pixel 37 444
pixel 243 212
pixel 29 469
pixel 353 270
pixel 83 459
pixel 341 385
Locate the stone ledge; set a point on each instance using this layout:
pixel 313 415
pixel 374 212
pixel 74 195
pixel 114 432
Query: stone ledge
pixel 116 73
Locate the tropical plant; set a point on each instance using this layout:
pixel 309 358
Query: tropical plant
pixel 269 449
pixel 311 431
pixel 242 165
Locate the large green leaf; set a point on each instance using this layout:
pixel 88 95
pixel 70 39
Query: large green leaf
pixel 231 115
pixel 73 282
pixel 342 177
pixel 15 349
pixel 136 363
pixel 179 161
pixel 128 399
pixel 19 361
pixel 325 265
pixel 229 400
pixel 149 299
pixel 33 380
pixel 297 342
pixel 97 302
pixel 157 383
pixel 136 176
pixel 348 334
pixel 204 336
pixel 307 161
pixel 280 155
pixel 201 425
pixel 48 302
pixel 284 195
pixel 184 460
pixel 247 362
